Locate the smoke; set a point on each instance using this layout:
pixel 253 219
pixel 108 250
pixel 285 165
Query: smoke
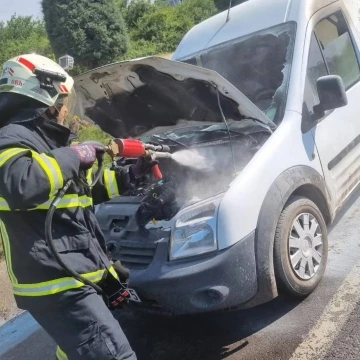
pixel 192 158
pixel 202 172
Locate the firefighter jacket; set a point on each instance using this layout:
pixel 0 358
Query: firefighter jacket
pixel 35 162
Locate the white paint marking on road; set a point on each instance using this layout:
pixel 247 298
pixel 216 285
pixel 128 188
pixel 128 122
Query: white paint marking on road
pixel 332 320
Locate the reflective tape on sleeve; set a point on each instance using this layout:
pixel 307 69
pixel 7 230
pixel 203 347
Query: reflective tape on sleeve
pixel 114 273
pixel 8 154
pixel 55 286
pixel 68 201
pixel 51 169
pixel 47 163
pixel 111 183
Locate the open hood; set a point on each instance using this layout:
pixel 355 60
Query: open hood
pixel 129 99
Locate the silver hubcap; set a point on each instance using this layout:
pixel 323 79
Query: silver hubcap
pixel 305 246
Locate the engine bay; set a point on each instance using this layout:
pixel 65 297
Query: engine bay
pixel 212 129
pixel 202 166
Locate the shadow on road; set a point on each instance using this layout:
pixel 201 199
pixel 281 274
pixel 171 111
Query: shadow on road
pixel 213 336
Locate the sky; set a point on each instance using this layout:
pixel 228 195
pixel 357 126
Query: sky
pixel 20 7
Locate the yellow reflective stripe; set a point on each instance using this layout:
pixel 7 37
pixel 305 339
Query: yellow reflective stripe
pixel 89 176
pixel 4 205
pixel 8 154
pixel 57 170
pixel 60 355
pixel 68 201
pixel 114 273
pixel 55 286
pixel 47 163
pixel 7 249
pixel 111 183
pixel 53 172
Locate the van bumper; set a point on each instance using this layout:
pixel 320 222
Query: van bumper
pixel 194 285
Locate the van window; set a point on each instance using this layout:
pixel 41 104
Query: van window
pixel 258 64
pixel 315 69
pixel 336 44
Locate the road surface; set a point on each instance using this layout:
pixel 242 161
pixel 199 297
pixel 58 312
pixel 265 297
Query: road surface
pixel 324 326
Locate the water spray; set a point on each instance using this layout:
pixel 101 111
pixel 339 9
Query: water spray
pixel 131 148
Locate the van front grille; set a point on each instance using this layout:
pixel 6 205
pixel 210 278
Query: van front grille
pixel 136 255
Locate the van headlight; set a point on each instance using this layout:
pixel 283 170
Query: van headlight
pixel 194 230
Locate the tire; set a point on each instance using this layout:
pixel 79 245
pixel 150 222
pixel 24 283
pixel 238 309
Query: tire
pixel 293 271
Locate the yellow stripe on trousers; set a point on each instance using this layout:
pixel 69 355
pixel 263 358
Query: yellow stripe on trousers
pixel 55 286
pixel 7 249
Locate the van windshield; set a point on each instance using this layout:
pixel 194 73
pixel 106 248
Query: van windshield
pixel 258 64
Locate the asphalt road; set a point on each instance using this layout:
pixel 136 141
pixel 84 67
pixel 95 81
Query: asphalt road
pixel 324 326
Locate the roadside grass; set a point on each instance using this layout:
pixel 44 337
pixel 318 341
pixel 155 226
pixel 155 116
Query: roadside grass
pixel 1 250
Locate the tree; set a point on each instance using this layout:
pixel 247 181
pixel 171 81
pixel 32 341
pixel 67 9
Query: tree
pixel 224 4
pixel 22 35
pixel 135 11
pixel 164 26
pixel 92 31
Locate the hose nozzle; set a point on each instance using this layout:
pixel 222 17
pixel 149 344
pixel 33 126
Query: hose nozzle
pixel 130 148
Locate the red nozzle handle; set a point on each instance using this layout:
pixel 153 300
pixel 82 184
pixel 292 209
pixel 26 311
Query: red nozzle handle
pixel 157 172
pixel 130 148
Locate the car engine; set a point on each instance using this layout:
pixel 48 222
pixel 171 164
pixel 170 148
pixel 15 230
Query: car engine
pixel 203 165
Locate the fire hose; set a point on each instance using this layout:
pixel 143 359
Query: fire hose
pixel 110 288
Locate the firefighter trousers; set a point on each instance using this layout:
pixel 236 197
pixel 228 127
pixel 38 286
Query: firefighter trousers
pixel 85 329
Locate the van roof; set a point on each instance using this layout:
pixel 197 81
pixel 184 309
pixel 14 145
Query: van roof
pixel 246 18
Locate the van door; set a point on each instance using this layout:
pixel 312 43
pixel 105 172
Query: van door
pixel 337 134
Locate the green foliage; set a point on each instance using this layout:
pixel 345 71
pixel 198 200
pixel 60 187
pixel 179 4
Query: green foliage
pixel 141 48
pixel 135 11
pixel 93 132
pixel 23 35
pixel 197 10
pixel 121 4
pixel 157 28
pixel 92 31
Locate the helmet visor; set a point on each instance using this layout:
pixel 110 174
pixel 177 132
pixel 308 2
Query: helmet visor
pixel 66 106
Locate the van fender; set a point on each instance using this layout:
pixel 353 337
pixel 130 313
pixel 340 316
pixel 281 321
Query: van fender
pixel 298 180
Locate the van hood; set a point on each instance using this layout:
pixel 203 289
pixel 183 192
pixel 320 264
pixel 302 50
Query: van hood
pixel 131 98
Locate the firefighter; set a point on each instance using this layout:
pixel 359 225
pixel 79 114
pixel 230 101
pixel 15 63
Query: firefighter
pixel 36 160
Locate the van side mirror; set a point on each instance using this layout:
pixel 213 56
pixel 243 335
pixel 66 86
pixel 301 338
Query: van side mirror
pixel 332 94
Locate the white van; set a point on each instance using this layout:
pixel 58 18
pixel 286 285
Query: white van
pixel 269 99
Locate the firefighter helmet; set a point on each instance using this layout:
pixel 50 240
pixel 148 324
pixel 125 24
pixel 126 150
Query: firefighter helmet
pixel 39 78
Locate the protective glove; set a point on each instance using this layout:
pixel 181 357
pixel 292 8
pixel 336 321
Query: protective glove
pixel 87 154
pixel 122 271
pixel 142 167
pixel 115 293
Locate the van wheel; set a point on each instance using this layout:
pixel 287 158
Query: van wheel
pixel 301 247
